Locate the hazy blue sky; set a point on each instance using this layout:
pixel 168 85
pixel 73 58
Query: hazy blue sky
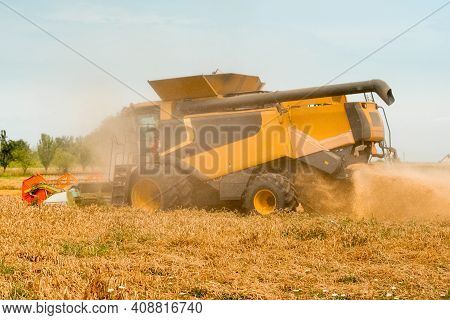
pixel 46 88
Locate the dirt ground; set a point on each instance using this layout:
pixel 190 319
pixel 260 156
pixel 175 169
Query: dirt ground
pixel 124 253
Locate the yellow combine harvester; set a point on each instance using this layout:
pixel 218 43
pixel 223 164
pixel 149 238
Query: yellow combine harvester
pixel 220 138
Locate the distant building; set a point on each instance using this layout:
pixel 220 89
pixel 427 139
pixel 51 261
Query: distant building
pixel 446 159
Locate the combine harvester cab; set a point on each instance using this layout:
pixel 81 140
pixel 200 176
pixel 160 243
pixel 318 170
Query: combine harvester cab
pixel 219 139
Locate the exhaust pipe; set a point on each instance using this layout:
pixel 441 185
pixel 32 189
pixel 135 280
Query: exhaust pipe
pixel 380 87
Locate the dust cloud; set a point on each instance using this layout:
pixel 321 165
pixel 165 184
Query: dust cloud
pixel 402 191
pixel 114 142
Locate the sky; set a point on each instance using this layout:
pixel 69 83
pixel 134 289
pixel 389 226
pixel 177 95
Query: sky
pixel 44 87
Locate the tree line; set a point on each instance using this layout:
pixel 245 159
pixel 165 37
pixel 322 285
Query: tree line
pixel 62 152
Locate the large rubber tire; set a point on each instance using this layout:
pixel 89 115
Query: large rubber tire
pixel 161 193
pixel 266 186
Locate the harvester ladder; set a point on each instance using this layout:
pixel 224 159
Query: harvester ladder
pixel 120 185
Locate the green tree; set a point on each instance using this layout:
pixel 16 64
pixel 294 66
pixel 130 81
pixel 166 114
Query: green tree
pixel 64 159
pixel 66 143
pixel 84 153
pixel 66 152
pixel 46 150
pixel 6 150
pixel 22 154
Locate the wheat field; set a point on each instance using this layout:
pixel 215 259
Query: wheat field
pixel 124 253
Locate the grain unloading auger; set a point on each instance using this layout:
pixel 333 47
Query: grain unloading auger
pixel 262 99
pixel 219 139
